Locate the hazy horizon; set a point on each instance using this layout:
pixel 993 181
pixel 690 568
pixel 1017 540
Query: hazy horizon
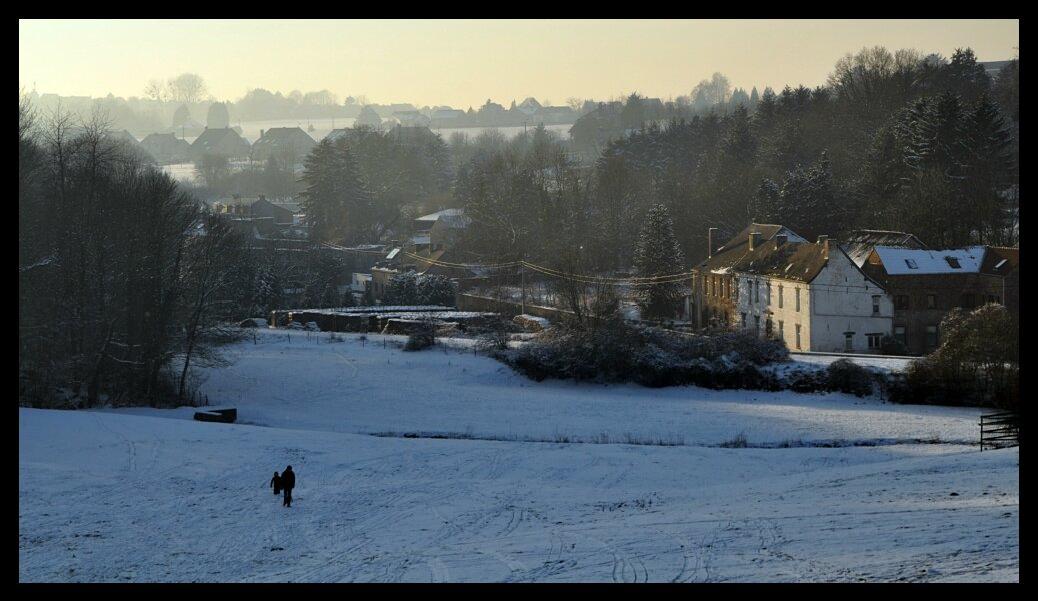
pixel 461 63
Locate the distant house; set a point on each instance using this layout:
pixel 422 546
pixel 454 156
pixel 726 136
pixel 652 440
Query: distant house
pixel 290 142
pixel 859 244
pixel 440 230
pixel 282 213
pixel 926 284
pixel 530 106
pixel 447 114
pixel 411 118
pixel 166 149
pixel 223 142
pixel 810 295
pixel 367 118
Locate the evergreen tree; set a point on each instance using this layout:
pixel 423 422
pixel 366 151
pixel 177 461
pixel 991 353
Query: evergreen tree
pixel 658 254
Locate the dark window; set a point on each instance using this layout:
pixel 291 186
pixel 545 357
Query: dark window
pixel 899 334
pixel 931 336
pixel 931 301
pixel 798 335
pixel 994 299
pixel 901 301
pixel 875 304
pixel 780 296
pixel 911 264
pixel 756 323
pixel 767 327
pixel 874 340
pixel 954 262
pixel 967 301
pixel 743 321
pixel 782 330
pixel 848 341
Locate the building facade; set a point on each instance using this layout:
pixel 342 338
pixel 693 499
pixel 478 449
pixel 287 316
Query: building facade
pixel 810 295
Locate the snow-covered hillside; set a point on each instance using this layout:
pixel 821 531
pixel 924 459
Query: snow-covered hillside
pixel 145 495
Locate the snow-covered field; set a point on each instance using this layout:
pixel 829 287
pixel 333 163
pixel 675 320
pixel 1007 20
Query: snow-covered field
pixel 145 495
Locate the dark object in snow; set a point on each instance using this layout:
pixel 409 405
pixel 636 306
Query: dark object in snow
pixel 275 483
pixel 288 482
pixel 225 416
pixel 253 322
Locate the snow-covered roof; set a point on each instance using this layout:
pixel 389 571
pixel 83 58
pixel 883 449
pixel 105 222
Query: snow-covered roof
pixel 908 261
pixel 438 214
pixel 419 239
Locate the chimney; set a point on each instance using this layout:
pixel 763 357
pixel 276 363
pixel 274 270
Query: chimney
pixel 780 239
pixel 754 240
pixel 261 133
pixel 710 242
pixel 823 241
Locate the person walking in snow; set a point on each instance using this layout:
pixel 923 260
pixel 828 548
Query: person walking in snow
pixel 288 482
pixel 275 483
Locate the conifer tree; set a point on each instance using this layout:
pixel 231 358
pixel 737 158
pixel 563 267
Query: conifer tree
pixel 658 254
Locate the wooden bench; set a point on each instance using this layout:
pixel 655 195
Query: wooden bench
pixel 225 416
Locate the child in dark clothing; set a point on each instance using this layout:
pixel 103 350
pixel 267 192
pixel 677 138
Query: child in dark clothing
pixel 275 482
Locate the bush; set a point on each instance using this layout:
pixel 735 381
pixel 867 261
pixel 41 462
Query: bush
pixel 422 338
pixel 412 288
pixel 888 345
pixel 615 351
pixel 495 339
pixel 843 375
pixel 977 363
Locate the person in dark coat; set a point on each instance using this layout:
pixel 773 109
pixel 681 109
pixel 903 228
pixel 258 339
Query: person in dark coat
pixel 275 483
pixel 288 482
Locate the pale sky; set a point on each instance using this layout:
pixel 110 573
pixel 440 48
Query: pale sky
pixel 463 62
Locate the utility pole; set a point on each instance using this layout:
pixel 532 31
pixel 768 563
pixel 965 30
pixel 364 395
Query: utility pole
pixel 522 278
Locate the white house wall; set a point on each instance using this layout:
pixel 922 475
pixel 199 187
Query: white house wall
pixel 768 307
pixel 838 300
pixel 841 301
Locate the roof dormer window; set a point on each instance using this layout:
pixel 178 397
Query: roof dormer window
pixel 954 262
pixel 911 264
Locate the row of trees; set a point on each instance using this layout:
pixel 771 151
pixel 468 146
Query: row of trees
pixel 894 141
pixel 120 272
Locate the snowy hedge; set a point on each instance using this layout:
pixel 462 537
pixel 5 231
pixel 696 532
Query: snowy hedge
pixel 619 352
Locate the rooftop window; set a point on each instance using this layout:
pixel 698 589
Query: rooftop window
pixel 954 262
pixel 911 264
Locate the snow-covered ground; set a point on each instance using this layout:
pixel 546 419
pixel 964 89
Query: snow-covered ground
pixel 134 495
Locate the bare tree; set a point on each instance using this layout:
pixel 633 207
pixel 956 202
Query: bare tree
pixel 187 87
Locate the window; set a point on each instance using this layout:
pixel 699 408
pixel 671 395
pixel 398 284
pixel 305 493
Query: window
pixel 875 341
pixel 767 327
pixel 848 342
pixel 875 304
pixel 742 322
pixel 899 334
pixel 911 264
pixel 901 301
pixel 756 291
pixel 735 288
pixel 749 292
pixel 798 335
pixel 994 299
pixel 782 332
pixel 931 336
pixel 767 292
pixel 966 302
pixel 756 323
pixel 798 302
pixel 931 301
pixel 954 262
pixel 780 296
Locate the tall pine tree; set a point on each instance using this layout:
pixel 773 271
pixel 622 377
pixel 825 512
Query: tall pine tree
pixel 657 254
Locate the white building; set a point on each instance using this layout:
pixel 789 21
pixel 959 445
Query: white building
pixel 810 295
